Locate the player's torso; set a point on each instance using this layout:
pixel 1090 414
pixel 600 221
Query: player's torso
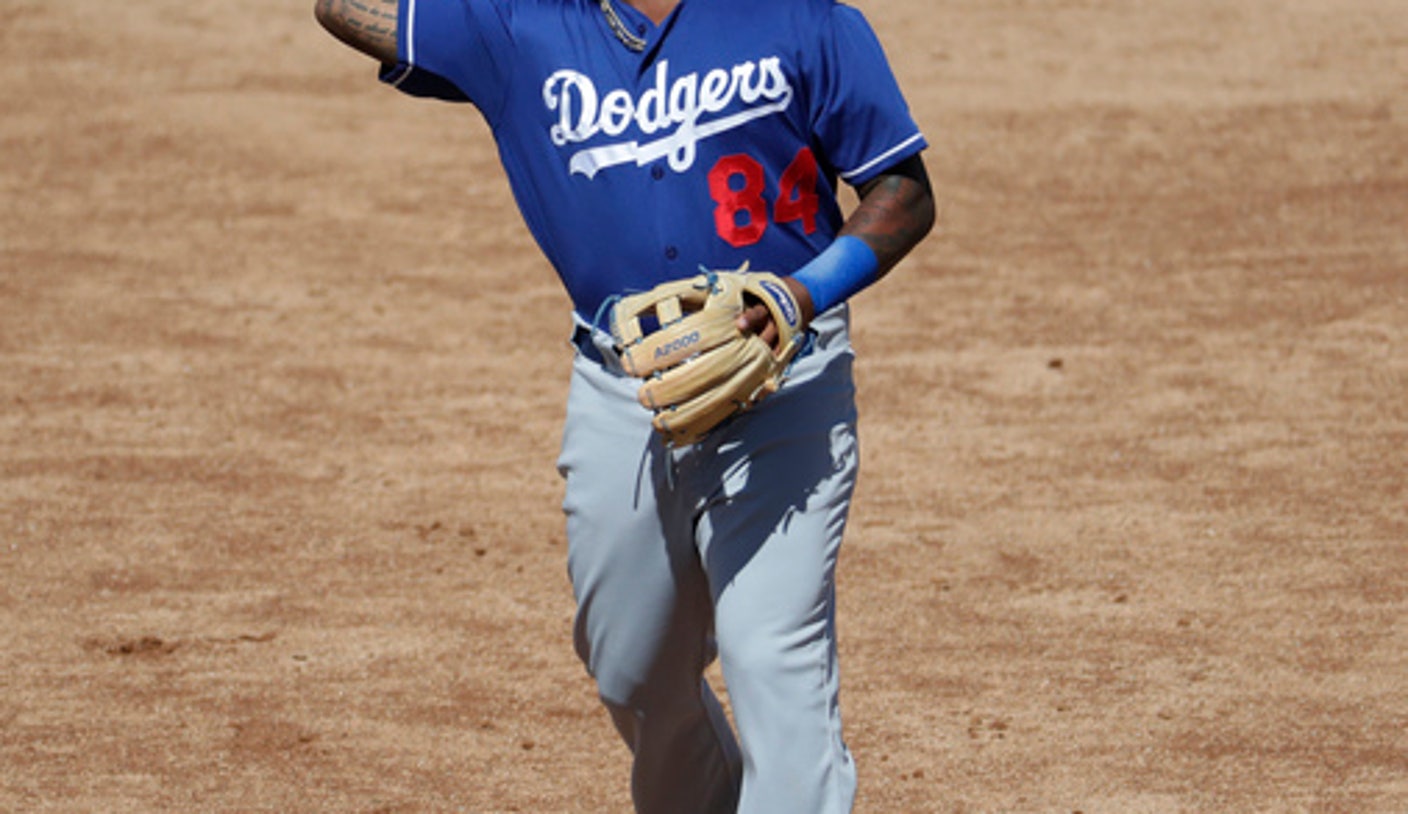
pixel 633 168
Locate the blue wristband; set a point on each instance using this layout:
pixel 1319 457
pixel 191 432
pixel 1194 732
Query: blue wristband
pixel 846 267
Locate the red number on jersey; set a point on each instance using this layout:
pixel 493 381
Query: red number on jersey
pixel 737 183
pixel 797 198
pixel 732 203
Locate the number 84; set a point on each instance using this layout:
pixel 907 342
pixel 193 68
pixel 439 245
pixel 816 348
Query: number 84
pixel 737 184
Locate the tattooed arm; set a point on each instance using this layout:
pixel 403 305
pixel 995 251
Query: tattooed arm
pixel 367 25
pixel 896 211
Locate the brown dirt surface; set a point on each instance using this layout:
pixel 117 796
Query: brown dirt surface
pixel 278 513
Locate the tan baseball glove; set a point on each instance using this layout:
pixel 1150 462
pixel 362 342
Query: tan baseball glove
pixel 683 339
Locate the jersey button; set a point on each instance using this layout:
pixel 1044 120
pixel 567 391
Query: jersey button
pixel 671 253
pixel 657 172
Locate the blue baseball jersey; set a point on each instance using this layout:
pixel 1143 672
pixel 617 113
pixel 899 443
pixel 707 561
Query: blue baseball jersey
pixel 721 141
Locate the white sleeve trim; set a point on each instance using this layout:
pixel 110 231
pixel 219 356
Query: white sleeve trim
pixel 411 32
pixel 880 159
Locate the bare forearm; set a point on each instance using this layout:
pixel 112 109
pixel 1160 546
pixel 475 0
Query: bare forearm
pixel 896 211
pixel 367 25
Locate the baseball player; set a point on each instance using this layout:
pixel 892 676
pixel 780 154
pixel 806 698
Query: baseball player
pixel 645 141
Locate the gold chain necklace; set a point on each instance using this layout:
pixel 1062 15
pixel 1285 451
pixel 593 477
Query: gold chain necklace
pixel 627 37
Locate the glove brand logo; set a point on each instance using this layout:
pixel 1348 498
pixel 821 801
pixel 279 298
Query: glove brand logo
pixel 583 112
pixel 677 345
pixel 784 301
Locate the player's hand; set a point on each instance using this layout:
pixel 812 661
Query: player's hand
pixel 706 356
pixel 756 319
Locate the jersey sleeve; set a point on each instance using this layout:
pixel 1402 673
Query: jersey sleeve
pixel 455 50
pixel 859 114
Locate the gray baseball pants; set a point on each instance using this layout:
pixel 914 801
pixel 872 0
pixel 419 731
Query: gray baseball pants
pixel 726 548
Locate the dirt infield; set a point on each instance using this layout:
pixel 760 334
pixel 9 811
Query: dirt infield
pixel 278 513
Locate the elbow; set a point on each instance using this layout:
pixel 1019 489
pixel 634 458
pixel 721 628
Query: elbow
pixel 923 208
pixel 370 30
pixel 915 224
pixel 924 212
pixel 930 217
pixel 919 210
pixel 323 13
pixel 333 18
